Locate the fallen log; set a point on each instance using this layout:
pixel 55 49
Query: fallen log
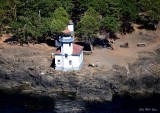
pixel 124 46
pixel 87 52
pixel 141 44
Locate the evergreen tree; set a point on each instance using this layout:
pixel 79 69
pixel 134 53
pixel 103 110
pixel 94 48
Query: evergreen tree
pixel 59 20
pixel 150 10
pixel 129 9
pixel 61 14
pixel 110 24
pixel 34 17
pixel 87 27
pixel 99 5
pixel 92 12
pixel 106 7
pixel 57 26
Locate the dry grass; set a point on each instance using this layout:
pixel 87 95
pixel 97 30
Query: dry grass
pixel 124 56
pixel 106 57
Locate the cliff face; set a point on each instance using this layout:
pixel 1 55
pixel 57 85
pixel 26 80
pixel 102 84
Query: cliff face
pixel 28 69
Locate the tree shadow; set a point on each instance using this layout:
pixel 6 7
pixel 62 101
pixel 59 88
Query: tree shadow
pixel 11 39
pixel 101 43
pixel 86 46
pixel 113 36
pixel 149 26
pixel 126 27
pixel 51 42
pixel 53 65
pixel 14 40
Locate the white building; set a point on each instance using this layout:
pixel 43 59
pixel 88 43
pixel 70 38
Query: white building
pixel 68 56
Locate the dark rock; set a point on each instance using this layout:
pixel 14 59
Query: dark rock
pixel 18 67
pixel 92 94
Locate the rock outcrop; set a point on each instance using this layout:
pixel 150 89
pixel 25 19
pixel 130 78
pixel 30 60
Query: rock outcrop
pixel 29 71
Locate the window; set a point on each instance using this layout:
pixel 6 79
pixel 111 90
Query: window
pixel 66 55
pixel 70 62
pixel 58 62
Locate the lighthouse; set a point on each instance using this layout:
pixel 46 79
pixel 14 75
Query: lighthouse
pixel 68 56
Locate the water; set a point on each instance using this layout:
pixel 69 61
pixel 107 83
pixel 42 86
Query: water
pixel 20 103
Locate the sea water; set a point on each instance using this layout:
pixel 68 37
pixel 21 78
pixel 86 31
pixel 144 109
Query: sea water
pixel 22 103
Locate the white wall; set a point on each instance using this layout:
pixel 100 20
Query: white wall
pixel 56 61
pixel 66 49
pixel 75 60
pixel 64 62
pixel 71 28
pixel 81 57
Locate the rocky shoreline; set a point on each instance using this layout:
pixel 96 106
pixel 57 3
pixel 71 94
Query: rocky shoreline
pixel 22 72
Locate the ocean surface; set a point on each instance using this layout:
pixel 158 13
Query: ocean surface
pixel 21 103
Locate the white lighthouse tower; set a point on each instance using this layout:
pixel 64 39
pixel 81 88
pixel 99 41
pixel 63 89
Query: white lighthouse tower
pixel 69 56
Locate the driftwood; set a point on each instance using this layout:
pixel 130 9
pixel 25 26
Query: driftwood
pixel 91 65
pixel 124 46
pixel 87 52
pixel 141 44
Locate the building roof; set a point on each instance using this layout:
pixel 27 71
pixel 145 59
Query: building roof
pixel 76 49
pixel 66 31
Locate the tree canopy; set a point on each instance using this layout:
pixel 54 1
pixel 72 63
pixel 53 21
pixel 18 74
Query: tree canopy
pixel 38 18
pixel 61 14
pixel 57 26
pixel 87 27
pixel 150 9
pixel 110 23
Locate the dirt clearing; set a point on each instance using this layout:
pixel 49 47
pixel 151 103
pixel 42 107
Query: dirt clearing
pixel 122 56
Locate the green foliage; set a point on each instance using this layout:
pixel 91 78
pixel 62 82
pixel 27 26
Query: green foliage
pixel 45 25
pixel 57 26
pixel 15 25
pixel 110 23
pixel 100 5
pixel 106 7
pixel 66 4
pixel 82 4
pixel 87 26
pixel 33 17
pixel 150 8
pixel 47 7
pixel 92 12
pixel 111 13
pixel 129 9
pixel 114 8
pixel 59 20
pixel 61 14
pixel 37 17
